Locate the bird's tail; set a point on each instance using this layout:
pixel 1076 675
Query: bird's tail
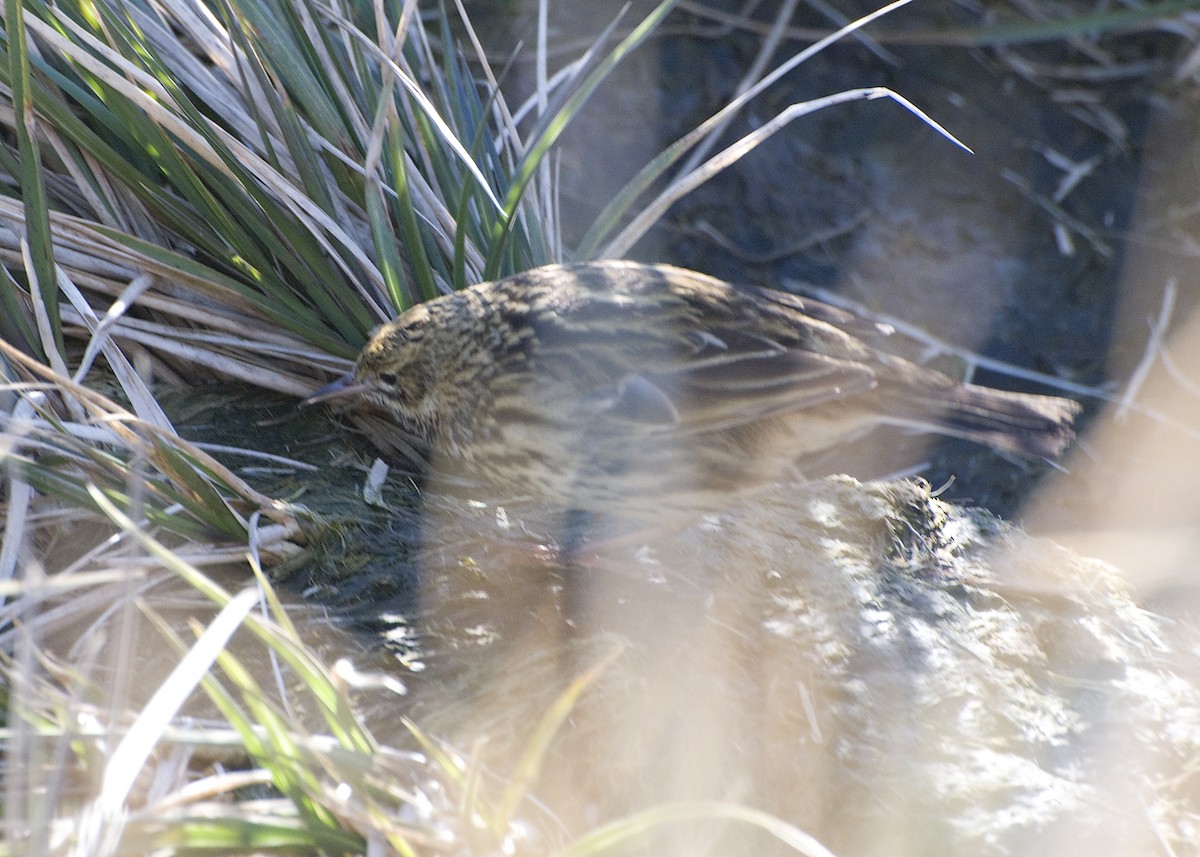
pixel 1023 423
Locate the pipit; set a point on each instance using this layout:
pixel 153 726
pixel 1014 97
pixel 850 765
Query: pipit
pixel 642 389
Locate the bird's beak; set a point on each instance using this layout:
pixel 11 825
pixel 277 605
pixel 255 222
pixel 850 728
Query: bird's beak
pixel 339 389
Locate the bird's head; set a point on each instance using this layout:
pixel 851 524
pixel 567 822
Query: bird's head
pixel 397 369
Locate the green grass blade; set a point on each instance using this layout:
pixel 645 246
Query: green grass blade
pixel 31 178
pixel 205 501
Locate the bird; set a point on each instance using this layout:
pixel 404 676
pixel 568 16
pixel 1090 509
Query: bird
pixel 643 389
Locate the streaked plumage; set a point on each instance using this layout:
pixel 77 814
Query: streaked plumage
pixel 631 387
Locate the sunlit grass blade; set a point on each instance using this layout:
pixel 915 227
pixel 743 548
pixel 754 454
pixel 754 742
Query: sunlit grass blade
pixel 442 758
pixel 525 775
pixel 654 211
pixel 127 759
pixel 620 206
pixel 289 648
pixel 616 837
pixel 267 737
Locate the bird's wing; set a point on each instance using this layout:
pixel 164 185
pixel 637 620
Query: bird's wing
pixel 718 379
pixel 753 378
pixel 688 353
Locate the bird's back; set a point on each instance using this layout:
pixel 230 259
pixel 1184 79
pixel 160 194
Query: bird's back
pixel 617 384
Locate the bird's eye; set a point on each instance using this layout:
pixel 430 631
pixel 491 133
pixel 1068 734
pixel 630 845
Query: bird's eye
pixel 388 378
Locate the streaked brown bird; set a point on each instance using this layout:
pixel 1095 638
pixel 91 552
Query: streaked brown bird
pixel 641 389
